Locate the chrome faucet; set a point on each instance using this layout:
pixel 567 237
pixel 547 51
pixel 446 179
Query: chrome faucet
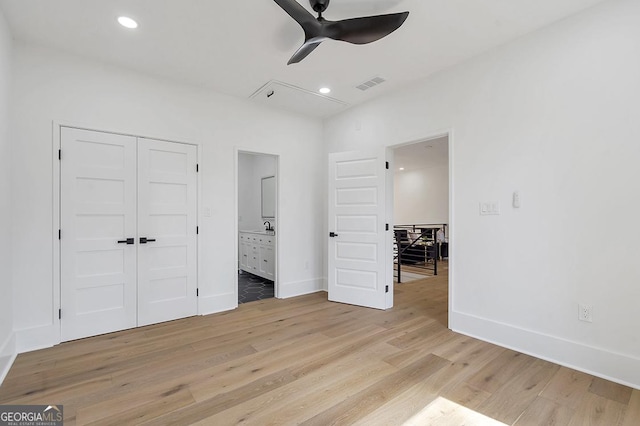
pixel 268 224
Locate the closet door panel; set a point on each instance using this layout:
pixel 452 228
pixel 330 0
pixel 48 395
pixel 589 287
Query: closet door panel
pixel 167 220
pixel 98 209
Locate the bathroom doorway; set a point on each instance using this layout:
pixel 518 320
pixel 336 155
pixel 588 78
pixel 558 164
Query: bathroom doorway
pixel 257 205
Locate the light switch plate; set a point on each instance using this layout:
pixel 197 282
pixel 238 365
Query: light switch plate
pixel 488 208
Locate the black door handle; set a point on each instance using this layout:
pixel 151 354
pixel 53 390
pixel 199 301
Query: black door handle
pixel 145 240
pixel 333 234
pixel 127 241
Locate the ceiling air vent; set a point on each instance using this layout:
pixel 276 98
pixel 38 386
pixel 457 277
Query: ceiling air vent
pixel 370 83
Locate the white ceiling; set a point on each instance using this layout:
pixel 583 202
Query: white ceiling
pixel 237 46
pixel 422 155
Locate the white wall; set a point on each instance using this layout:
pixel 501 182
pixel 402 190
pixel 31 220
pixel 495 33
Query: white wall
pixel 555 115
pixel 51 85
pixel 421 195
pixel 7 345
pixel 247 202
pixel 251 169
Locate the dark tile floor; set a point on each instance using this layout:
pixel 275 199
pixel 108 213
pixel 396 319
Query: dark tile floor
pixel 251 288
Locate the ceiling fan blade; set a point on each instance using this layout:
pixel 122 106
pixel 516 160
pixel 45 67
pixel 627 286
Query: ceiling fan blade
pixel 303 52
pixel 357 30
pixel 296 11
pixel 364 30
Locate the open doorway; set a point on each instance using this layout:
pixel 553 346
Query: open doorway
pixel 421 210
pixel 257 226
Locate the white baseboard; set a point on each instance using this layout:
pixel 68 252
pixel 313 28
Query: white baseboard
pixel 300 288
pixel 32 339
pixel 619 368
pixel 8 355
pixel 228 301
pixel 217 303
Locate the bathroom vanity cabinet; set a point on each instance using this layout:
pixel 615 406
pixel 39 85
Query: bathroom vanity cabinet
pixel 257 253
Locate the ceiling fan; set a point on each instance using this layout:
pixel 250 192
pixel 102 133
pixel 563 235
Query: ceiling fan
pixel 356 30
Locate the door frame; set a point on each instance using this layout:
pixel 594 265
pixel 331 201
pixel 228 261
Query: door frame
pixel 55 334
pixel 236 153
pixel 449 133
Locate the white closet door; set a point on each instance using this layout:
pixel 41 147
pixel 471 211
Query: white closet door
pixel 167 208
pixel 98 209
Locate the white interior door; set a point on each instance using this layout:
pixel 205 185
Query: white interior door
pixel 167 208
pixel 360 257
pixel 98 215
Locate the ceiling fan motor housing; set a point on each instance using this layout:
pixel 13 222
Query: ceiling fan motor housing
pixel 319 5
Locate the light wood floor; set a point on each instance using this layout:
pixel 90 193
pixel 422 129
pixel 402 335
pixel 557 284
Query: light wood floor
pixel 310 361
pixel 443 268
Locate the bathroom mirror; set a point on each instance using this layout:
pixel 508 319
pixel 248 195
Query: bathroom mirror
pixel 269 197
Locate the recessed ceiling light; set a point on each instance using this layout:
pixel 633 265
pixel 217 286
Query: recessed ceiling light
pixel 401 168
pixel 325 90
pixel 127 22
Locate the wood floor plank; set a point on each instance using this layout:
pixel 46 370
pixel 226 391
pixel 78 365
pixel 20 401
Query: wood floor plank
pixel 595 410
pixel 610 390
pixel 500 370
pixel 545 412
pixel 354 346
pixel 135 384
pixel 356 406
pixel 51 393
pixel 238 370
pixel 442 412
pixel 469 350
pixel 404 406
pixel 68 374
pixel 632 414
pixel 510 401
pixel 417 337
pixel 568 387
pixel 170 401
pixel 228 376
pixel 208 408
pixel 468 362
pixel 466 395
pixel 400 408
pixel 311 393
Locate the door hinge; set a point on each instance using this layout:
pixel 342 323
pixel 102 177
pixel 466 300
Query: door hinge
pixel 197 168
pixel 386 289
pixel 197 292
pixel 59 313
pixel 59 154
pixel 386 226
pixel 59 234
pixel 197 230
pixel 386 165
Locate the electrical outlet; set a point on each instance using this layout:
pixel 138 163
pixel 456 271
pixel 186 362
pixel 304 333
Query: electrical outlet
pixel 585 313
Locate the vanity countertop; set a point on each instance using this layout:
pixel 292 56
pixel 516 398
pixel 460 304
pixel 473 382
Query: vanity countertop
pixel 260 232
